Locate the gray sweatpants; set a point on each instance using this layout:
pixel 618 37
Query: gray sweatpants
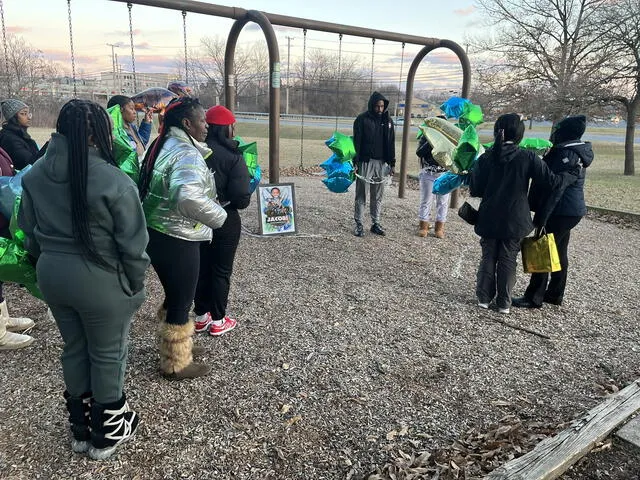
pixel 93 313
pixel 376 171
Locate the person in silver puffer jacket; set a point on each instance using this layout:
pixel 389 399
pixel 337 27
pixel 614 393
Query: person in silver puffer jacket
pixel 179 200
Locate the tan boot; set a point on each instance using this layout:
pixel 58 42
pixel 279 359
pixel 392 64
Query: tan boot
pixel 439 231
pixel 176 352
pixel 161 315
pixel 16 324
pixel 423 229
pixel 10 340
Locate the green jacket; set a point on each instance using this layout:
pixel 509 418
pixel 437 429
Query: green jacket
pixel 126 155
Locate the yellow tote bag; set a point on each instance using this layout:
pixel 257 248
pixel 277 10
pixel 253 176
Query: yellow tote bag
pixel 539 254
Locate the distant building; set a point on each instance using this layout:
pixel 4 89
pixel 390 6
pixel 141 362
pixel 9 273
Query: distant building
pixel 123 82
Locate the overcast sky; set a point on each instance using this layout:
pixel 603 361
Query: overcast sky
pixel 158 33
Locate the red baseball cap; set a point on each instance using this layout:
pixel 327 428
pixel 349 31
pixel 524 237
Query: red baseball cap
pixel 219 115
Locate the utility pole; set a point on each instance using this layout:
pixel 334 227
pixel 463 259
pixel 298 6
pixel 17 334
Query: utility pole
pixel 286 110
pixel 113 63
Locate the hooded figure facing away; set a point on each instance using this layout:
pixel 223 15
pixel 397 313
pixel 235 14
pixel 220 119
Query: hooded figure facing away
pixel 374 141
pixel 560 209
pixel 501 178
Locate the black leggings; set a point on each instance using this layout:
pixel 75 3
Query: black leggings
pixel 216 267
pixel 176 263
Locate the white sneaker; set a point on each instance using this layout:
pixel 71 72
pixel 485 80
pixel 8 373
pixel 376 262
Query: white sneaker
pixel 17 324
pixel 483 305
pixel 504 311
pixel 14 341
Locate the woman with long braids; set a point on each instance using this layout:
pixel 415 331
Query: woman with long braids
pixel 179 200
pixel 84 224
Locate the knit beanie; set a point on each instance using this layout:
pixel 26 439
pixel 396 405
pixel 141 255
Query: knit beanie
pixel 10 107
pixel 219 115
pixel 569 128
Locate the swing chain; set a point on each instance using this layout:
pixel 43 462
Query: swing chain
pixel 186 60
pixel 373 47
pixel 304 74
pixel 133 56
pixel 400 80
pixel 73 56
pixel 6 51
pixel 339 77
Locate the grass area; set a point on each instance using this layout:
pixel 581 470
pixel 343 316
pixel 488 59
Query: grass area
pixel 606 187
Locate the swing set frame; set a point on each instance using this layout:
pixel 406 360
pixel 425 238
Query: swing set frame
pixel 266 22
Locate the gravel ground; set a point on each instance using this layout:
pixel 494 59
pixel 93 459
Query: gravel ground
pixel 354 358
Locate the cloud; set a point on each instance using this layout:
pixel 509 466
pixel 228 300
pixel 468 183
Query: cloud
pixel 17 29
pixel 443 57
pixel 463 12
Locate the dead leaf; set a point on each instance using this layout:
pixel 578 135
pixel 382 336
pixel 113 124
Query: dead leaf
pixel 285 408
pixel 392 435
pixel 403 431
pixel 294 420
pixel 285 366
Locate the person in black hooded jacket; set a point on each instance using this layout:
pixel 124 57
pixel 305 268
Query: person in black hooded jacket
pixel 559 210
pixel 14 138
pixel 375 145
pixel 216 258
pixel 501 178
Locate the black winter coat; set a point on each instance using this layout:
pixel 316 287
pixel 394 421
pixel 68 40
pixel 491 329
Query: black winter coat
pixel 570 201
pixel 230 173
pixel 503 185
pixel 22 149
pixel 365 127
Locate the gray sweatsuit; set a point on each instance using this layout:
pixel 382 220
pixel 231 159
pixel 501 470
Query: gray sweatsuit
pixel 92 305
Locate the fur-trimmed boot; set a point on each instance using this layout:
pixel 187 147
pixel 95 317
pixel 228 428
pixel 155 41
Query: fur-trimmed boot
pixel 423 229
pixel 10 340
pixel 161 315
pixel 79 409
pixel 176 352
pixel 15 324
pixel 111 424
pixel 439 230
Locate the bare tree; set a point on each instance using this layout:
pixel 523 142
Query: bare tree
pixel 621 28
pixel 547 44
pixel 332 86
pixel 27 68
pixel 251 64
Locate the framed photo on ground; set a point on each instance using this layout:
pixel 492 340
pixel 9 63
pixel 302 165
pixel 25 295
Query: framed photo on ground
pixel 276 203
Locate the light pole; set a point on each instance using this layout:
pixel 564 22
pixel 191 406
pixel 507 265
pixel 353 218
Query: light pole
pixel 113 62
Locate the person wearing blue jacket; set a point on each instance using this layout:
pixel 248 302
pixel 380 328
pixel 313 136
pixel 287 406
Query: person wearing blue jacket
pixel 139 136
pixel 560 210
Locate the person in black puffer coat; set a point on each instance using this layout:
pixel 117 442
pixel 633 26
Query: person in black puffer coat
pixel 559 210
pixel 216 258
pixel 14 138
pixel 501 178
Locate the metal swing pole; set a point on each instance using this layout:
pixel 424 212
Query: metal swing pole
pixel 73 58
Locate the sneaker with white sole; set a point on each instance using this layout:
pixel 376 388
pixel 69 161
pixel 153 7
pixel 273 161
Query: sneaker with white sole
pixel 202 322
pixel 483 305
pixel 504 311
pixel 227 325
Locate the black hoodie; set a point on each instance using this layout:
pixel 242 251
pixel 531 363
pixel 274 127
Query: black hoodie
pixel 570 200
pixel 503 184
pixel 369 127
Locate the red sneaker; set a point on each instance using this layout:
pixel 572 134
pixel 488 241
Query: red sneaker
pixel 228 325
pixel 202 325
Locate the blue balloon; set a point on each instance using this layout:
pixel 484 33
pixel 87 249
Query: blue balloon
pixel 448 182
pixel 330 162
pixel 338 184
pixel 255 180
pixel 454 107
